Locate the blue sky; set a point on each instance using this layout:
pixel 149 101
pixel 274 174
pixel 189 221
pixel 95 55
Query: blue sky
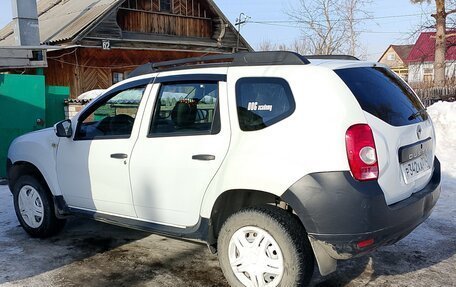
pixel 381 31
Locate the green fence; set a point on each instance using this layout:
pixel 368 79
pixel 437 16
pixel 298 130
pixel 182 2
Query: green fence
pixel 55 104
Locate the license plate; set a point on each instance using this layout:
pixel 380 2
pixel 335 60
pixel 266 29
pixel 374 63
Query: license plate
pixel 415 168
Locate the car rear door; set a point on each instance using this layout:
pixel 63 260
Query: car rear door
pixel 403 132
pixel 183 140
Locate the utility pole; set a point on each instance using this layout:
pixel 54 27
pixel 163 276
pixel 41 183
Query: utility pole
pixel 239 22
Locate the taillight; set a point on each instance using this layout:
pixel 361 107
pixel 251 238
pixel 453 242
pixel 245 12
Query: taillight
pixel 361 152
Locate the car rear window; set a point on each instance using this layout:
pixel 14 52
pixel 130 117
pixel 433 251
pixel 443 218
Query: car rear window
pixel 262 102
pixel 383 94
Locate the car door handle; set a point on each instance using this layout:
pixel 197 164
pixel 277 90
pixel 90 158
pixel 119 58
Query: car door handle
pixel 119 156
pixel 203 157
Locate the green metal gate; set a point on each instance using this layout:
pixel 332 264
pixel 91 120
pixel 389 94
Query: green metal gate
pixel 55 104
pixel 25 104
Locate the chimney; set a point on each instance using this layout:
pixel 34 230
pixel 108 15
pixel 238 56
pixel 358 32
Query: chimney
pixel 25 21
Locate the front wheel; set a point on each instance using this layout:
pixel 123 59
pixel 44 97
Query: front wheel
pixel 35 208
pixel 265 246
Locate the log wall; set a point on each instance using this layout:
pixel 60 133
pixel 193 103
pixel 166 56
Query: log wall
pixel 188 18
pixel 85 69
pixel 158 23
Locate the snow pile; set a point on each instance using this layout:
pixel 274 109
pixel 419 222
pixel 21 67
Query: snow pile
pixel 443 115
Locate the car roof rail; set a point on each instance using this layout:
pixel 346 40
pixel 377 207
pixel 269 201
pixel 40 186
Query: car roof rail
pixel 332 57
pixel 225 60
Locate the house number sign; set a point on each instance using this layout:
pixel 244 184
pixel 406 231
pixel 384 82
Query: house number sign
pixel 106 45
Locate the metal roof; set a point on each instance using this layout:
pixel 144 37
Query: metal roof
pixel 61 20
pixel 424 48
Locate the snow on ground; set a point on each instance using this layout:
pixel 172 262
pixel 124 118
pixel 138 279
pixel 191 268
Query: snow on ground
pixel 89 253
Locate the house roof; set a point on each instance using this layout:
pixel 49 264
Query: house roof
pixel 61 20
pixel 401 50
pixel 424 48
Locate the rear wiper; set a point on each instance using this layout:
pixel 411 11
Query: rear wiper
pixel 415 115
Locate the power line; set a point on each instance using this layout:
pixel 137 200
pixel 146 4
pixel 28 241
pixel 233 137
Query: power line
pixel 334 20
pixel 92 67
pixel 63 55
pixel 298 27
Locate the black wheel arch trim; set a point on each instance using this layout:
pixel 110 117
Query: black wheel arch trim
pixel 16 169
pixel 334 203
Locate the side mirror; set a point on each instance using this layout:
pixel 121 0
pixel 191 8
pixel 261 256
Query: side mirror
pixel 63 129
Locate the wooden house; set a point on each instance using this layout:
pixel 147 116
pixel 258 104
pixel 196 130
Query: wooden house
pixel 421 59
pixel 396 58
pixel 98 42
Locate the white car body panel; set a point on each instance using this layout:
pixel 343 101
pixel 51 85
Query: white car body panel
pixel 388 140
pixel 38 148
pixel 91 180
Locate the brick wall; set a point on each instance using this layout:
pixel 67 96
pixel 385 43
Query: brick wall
pixel 73 107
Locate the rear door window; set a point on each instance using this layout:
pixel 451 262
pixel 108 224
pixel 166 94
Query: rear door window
pixel 383 94
pixel 187 108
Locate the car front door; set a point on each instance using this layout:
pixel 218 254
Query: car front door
pixel 92 167
pixel 179 152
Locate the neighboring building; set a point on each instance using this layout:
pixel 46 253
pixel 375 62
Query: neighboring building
pixel 421 58
pixel 396 58
pixel 98 42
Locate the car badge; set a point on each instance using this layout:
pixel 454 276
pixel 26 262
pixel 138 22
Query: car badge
pixel 418 132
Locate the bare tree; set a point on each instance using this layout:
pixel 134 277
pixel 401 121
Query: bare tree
pixel 267 45
pixel 355 15
pixel 440 17
pixel 299 46
pixel 330 26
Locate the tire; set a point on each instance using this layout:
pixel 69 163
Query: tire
pixel 35 208
pixel 265 234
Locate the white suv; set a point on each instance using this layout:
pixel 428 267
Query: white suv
pixel 272 159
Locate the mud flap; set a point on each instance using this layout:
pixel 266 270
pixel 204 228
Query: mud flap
pixel 326 264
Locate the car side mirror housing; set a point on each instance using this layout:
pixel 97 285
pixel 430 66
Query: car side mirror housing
pixel 63 129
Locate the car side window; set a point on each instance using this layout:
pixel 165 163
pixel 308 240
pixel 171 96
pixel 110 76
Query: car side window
pixel 187 108
pixel 262 102
pixel 113 117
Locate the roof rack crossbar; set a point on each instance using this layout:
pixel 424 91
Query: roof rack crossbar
pixel 231 60
pixel 194 60
pixel 332 57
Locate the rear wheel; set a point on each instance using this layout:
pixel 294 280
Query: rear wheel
pixel 35 208
pixel 265 246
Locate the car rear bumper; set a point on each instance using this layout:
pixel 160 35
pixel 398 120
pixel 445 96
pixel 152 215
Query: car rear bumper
pixel 340 213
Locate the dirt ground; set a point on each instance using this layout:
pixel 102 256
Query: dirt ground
pixel 89 253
